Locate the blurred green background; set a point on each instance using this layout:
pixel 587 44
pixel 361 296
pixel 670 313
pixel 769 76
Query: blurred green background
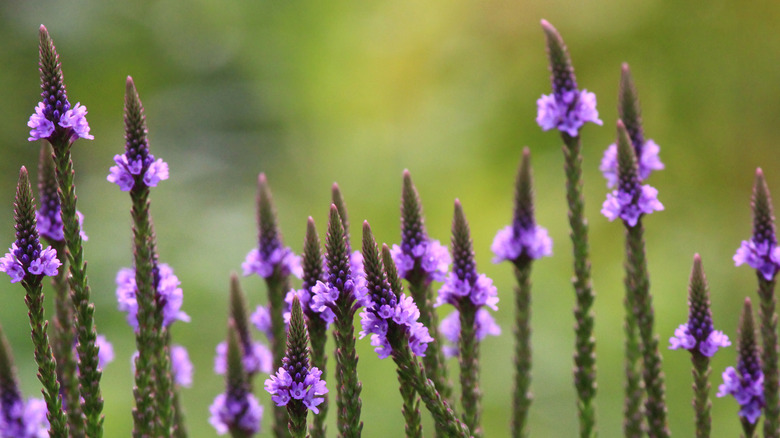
pixel 354 92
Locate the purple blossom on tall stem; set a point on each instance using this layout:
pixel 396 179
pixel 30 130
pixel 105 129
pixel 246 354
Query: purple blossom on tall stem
pixel 746 381
pixel 261 319
pixel 449 327
pixel 49 217
pixel 630 201
pixel 296 384
pixel 168 294
pixel 567 108
pixel 761 251
pixel 646 151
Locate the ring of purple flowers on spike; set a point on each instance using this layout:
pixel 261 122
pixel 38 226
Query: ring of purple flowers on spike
pixel 648 162
pixel 698 335
pixel 761 251
pixel 257 358
pixel 450 327
pixel 261 319
pixel 567 108
pixel 54 115
pixel 384 311
pixel 264 260
pixel 457 287
pixel 231 411
pixel 514 241
pixel 305 297
pixel 420 252
pixel 304 385
pixel 169 295
pixel 22 419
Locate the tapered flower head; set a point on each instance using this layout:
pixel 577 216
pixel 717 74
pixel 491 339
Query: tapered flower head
pixel 418 256
pixel 646 151
pixel 297 385
pixel 463 285
pixel 567 108
pixel 27 260
pixel 256 356
pixel 270 257
pixel 522 239
pixel 236 410
pixel 136 169
pixel 698 333
pixel 54 117
pixel 761 252
pixel 746 382
pixel 631 200
pixel 387 313
pixel 49 216
pixel 169 295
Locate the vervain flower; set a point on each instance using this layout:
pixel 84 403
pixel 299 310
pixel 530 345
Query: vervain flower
pixel 761 251
pixel 241 413
pixel 484 325
pixel 169 294
pixel 20 419
pixel 257 358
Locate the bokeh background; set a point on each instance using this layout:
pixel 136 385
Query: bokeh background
pixel 354 92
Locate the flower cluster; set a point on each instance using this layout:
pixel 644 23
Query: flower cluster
pixel 512 242
pixel 129 171
pixel 704 339
pixel 20 419
pixel 169 294
pixel 257 358
pixel 567 110
pixel 324 295
pixel 449 327
pixel 28 259
pixel 429 255
pixel 305 386
pixel 763 256
pixel 481 292
pixel 647 157
pixel 261 318
pixel 73 120
pixel 263 263
pixel 747 389
pixel 378 316
pixel 236 412
pixel 630 204
pixel 305 297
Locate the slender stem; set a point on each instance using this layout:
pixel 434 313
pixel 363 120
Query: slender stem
pixel 522 394
pixel 469 370
pixel 89 374
pixel 318 337
pixel 411 409
pixel 435 364
pixel 585 344
pixel 701 393
pixel 634 393
pixel 636 268
pixel 277 287
pixel 63 340
pixel 766 292
pixel 348 398
pixel 47 367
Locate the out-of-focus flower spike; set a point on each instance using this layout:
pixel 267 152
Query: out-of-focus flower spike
pixel 628 108
pixel 560 63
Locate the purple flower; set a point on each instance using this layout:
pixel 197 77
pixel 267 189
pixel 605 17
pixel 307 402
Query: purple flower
pixel 73 120
pixel 307 304
pixel 629 206
pixel 481 293
pixel 283 258
pixel 450 327
pixel 511 242
pixel 747 389
pixel 648 162
pixel 567 111
pixel 684 339
pixel 257 358
pixel 233 412
pixel 261 318
pixel 168 293
pixel 181 366
pixel 433 258
pixel 762 256
pixel 308 387
pixel 43 262
pixel 404 313
pixel 23 420
pixel 49 224
pixel 129 171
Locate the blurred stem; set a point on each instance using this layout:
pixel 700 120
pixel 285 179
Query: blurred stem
pixel 277 286
pixel 585 344
pixel 522 393
pixel 435 364
pixel 766 292
pixel 634 393
pixel 701 393
pixel 411 409
pixel 469 369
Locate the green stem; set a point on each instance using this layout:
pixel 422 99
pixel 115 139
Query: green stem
pixel 89 373
pixel 469 370
pixel 701 393
pixel 47 367
pixel 636 268
pixel 585 344
pixel 277 288
pixel 318 337
pixel 410 409
pixel 434 362
pixel 766 292
pixel 348 397
pixel 522 394
pixel 634 394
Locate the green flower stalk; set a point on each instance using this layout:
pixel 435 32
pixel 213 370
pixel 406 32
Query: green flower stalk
pixel 760 253
pixel 341 294
pixel 521 243
pixel 629 203
pixel 27 262
pixel 63 337
pixel 61 125
pixel 274 262
pixel 567 109
pixel 699 337
pixel 468 292
pixel 421 261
